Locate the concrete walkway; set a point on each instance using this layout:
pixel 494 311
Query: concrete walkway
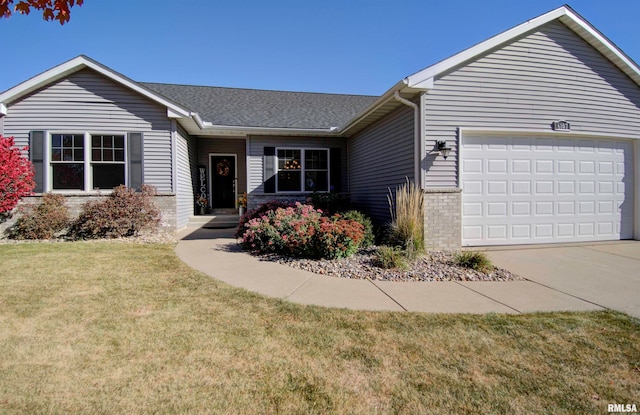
pixel 216 253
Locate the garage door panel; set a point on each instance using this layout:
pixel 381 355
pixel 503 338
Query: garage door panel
pixel 520 166
pixel 566 166
pixel 544 166
pixel 545 189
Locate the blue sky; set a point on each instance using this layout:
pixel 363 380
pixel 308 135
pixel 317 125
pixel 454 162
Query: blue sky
pixel 338 46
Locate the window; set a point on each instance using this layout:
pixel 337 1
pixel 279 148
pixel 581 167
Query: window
pixel 87 161
pixel 303 170
pixel 316 170
pixel 107 161
pixel 67 161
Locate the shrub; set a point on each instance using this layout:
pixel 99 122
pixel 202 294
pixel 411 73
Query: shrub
pixel 259 212
pixel 473 259
pixel 369 236
pixel 16 175
pixel 302 231
pixel 388 257
pixel 337 237
pixel 42 221
pixel 407 219
pixel 124 212
pixel 330 203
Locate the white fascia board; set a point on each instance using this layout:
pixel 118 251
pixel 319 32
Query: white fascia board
pixel 565 14
pixel 3 109
pixel 384 98
pixel 79 63
pixel 599 41
pixel 427 74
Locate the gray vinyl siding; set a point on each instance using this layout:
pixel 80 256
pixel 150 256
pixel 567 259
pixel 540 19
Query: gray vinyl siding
pixel 207 146
pixel 185 169
pixel 256 155
pixel 85 101
pixel 544 76
pixel 380 158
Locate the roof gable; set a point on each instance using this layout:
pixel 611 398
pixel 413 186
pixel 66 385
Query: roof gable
pixel 77 64
pixel 425 78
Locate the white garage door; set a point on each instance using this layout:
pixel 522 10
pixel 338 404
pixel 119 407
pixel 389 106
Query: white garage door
pixel 523 190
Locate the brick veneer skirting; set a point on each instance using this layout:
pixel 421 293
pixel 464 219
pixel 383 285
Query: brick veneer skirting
pixel 443 218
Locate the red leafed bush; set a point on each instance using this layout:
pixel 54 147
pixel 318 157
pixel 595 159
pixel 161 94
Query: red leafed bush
pixel 16 175
pixel 42 221
pixel 338 237
pixel 124 212
pixel 302 231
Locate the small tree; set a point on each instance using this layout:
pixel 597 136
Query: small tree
pixel 16 175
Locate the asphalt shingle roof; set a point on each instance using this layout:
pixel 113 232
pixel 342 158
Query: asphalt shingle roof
pixel 262 108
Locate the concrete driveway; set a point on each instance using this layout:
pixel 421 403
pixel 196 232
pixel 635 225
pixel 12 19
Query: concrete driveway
pixel 605 274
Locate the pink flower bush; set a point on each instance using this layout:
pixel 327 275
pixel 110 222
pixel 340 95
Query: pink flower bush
pixel 301 230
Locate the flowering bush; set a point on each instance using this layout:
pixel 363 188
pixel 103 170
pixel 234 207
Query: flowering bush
pixel 301 230
pixel 16 175
pixel 259 212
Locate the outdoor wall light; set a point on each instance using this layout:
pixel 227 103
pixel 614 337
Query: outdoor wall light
pixel 443 149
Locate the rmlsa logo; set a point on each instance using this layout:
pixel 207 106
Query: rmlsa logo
pixel 622 408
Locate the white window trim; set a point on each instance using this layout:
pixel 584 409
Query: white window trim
pixel 87 162
pixel 303 170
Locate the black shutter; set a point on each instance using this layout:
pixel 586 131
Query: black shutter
pixel 36 151
pixel 134 154
pixel 269 169
pixel 335 170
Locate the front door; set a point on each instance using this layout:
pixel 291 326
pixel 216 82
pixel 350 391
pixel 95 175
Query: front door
pixel 223 191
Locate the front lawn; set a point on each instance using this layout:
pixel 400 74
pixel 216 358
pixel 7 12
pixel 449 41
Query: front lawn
pixel 99 327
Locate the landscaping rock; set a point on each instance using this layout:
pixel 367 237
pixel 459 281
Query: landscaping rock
pixel 433 266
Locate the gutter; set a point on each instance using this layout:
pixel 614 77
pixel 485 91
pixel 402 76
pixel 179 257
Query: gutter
pixel 265 130
pixel 416 137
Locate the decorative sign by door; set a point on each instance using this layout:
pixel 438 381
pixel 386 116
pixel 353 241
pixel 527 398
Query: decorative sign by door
pixel 202 183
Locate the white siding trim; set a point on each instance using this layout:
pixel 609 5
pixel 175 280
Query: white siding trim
pixel 636 178
pixel 519 131
pixel 174 158
pixel 247 155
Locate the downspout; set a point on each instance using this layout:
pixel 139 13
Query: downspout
pixel 416 133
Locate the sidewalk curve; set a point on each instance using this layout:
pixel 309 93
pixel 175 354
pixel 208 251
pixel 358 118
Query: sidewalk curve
pixel 216 253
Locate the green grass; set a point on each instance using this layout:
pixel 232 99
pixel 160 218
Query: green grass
pixel 118 328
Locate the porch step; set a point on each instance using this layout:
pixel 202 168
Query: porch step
pixel 214 221
pixel 226 211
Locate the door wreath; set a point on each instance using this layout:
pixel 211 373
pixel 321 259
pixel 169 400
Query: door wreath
pixel 223 168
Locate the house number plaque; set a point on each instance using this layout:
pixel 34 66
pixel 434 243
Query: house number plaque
pixel 561 126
